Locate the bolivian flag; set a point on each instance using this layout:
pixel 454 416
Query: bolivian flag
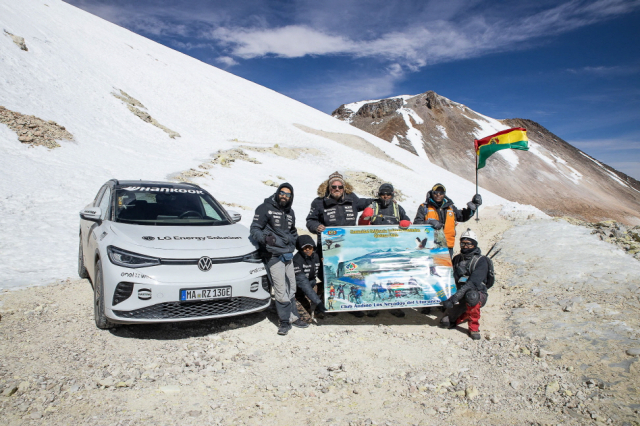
pixel 515 138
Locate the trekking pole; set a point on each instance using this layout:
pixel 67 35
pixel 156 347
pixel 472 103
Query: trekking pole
pixel 489 252
pixel 495 254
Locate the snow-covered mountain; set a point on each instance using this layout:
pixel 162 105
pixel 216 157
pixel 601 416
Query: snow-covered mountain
pixel 133 109
pixel 553 175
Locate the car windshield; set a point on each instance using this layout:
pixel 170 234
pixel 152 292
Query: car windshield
pixel 168 206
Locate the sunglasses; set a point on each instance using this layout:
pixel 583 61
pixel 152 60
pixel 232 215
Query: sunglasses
pixel 337 186
pixel 438 192
pixel 385 194
pixel 285 194
pixel 466 244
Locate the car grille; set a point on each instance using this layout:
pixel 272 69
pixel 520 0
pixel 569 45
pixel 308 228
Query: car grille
pixel 205 308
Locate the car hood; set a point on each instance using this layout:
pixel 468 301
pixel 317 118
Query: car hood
pixel 228 240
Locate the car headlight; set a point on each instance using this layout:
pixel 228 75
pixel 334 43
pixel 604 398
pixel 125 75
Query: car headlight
pixel 252 257
pixel 130 260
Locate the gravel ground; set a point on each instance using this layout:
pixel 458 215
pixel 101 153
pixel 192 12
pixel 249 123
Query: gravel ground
pixel 57 368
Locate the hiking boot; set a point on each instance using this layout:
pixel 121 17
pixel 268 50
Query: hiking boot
pixel 357 314
pixel 398 313
pixel 445 323
pixel 284 328
pixel 425 311
pixel 299 323
pixel 475 335
pixel 373 314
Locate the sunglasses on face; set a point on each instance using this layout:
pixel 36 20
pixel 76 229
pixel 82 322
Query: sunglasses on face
pixel 466 244
pixel 438 192
pixel 337 186
pixel 285 194
pixel 385 194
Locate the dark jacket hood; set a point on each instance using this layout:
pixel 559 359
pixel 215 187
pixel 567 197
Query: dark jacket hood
pixel 446 202
pixel 274 198
pixel 305 240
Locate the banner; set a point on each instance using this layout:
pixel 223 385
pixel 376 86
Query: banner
pixel 385 267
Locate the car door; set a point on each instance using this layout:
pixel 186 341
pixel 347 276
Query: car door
pixel 95 230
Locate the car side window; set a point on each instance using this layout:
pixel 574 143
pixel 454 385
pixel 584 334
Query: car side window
pixel 209 211
pixel 105 204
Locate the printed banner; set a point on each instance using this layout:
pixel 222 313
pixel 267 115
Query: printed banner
pixel 385 267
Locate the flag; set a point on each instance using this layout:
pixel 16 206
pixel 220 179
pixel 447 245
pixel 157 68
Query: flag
pixel 515 138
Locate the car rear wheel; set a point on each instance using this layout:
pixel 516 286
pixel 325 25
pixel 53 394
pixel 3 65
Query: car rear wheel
pixel 82 271
pixel 102 321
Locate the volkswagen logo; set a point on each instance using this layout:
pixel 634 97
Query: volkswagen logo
pixel 149 238
pixel 205 263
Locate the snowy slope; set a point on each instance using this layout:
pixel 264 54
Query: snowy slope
pixel 76 60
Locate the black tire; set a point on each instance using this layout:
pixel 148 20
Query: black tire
pixel 102 322
pixel 82 271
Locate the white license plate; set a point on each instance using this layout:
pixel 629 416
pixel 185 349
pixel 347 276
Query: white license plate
pixel 205 293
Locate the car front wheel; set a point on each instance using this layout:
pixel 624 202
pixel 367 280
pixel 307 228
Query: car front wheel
pixel 82 271
pixel 102 321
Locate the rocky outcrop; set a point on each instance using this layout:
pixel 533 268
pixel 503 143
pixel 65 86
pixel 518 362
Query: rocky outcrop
pixel 136 107
pixel 19 41
pixel 33 130
pixel 380 109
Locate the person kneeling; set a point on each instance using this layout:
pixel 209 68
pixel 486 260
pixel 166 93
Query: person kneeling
pixel 306 266
pixel 471 273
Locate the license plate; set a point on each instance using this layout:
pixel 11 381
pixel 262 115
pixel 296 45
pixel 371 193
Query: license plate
pixel 205 293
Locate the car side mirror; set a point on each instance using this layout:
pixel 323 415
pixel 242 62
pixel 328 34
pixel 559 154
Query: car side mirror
pixel 91 214
pixel 235 216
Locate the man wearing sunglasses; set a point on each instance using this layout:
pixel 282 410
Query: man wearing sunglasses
pixel 274 228
pixel 439 212
pixel 336 205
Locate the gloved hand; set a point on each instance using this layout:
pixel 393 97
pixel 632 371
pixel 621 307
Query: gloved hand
pixel 472 206
pixel 367 213
pixel 447 304
pixel 435 224
pixel 477 200
pixel 404 224
pixel 270 240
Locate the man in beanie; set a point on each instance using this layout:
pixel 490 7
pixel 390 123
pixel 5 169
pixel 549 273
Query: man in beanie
pixel 274 228
pixel 471 272
pixel 439 212
pixel 336 205
pixel 307 267
pixel 385 211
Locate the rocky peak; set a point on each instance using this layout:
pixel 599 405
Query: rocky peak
pixel 433 100
pixel 381 108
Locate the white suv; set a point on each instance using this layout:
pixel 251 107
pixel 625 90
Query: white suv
pixel 164 252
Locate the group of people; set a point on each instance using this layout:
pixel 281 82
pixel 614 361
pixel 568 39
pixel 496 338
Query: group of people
pixel 273 228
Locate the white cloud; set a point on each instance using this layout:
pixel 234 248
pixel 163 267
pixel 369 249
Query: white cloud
pixel 227 61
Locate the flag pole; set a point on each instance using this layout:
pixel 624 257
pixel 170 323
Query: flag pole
pixel 478 207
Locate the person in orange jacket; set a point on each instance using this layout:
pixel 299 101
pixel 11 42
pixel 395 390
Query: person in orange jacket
pixel 439 212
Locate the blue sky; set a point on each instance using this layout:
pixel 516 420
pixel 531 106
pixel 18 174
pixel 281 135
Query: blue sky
pixel 572 66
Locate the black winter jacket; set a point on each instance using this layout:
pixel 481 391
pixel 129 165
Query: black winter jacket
pixel 271 218
pixel 461 215
pixel 477 278
pixel 330 212
pixel 307 267
pixel 386 215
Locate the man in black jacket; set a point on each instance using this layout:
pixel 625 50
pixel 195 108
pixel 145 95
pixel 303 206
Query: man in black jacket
pixel 274 228
pixel 385 210
pixel 471 271
pixel 307 267
pixel 336 205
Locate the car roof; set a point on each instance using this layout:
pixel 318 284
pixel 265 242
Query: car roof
pixel 119 184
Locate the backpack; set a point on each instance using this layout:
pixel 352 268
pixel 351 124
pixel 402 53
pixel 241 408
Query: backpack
pixel 491 275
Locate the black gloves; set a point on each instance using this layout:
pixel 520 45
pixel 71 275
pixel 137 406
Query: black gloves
pixel 447 304
pixel 472 206
pixel 435 224
pixel 270 240
pixel 477 200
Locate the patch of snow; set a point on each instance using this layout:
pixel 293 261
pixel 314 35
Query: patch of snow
pixel 510 156
pixel 516 211
pixel 414 135
pixel 613 175
pixel 572 174
pixel 442 131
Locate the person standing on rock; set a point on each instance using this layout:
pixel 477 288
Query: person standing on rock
pixel 384 210
pixel 439 212
pixel 274 229
pixel 307 267
pixel 471 273
pixel 336 205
